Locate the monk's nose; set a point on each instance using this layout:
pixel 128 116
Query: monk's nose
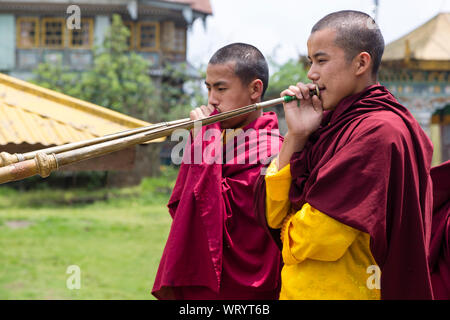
pixel 212 100
pixel 313 75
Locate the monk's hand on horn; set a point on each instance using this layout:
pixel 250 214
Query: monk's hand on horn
pixel 303 116
pixel 200 113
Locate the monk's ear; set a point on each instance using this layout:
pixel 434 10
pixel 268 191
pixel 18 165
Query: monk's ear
pixel 255 88
pixel 363 63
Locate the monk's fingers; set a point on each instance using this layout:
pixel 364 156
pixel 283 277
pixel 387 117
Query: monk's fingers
pixel 206 110
pixel 287 92
pixel 293 104
pixel 196 114
pixel 304 89
pixel 297 92
pixel 199 113
pixel 211 108
pixel 192 115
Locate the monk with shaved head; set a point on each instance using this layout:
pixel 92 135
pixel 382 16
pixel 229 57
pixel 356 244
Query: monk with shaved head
pixel 215 248
pixel 350 190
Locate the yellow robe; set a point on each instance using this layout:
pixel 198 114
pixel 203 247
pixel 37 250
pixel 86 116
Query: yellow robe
pixel 323 258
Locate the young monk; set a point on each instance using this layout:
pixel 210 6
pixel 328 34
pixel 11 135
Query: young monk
pixel 440 239
pixel 215 250
pixel 350 189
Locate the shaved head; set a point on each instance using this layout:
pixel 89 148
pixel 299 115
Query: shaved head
pixel 250 62
pixel 356 32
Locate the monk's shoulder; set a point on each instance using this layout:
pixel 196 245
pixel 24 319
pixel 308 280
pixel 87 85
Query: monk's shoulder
pixel 382 127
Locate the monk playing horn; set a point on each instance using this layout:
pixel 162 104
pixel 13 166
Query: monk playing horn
pixel 215 248
pixel 351 188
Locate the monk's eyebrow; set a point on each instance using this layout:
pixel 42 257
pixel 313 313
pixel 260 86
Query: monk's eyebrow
pixel 216 84
pixel 318 54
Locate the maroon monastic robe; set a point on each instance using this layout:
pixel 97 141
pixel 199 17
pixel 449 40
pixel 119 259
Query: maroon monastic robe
pixel 368 166
pixel 440 238
pixel 215 248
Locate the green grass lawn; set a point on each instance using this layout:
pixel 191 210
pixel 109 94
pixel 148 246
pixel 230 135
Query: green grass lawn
pixel 116 243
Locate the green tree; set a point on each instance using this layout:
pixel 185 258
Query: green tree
pixel 285 75
pixel 180 91
pixel 56 76
pixel 119 79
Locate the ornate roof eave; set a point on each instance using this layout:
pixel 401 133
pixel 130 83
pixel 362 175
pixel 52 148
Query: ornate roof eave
pixel 87 9
pixel 189 14
pixel 415 64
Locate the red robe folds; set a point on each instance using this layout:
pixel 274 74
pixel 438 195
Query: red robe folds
pixel 440 239
pixel 215 248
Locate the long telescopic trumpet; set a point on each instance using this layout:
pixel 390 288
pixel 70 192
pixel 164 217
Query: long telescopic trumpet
pixel 7 159
pixel 45 163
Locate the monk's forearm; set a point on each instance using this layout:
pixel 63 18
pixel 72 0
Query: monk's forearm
pixel 278 205
pixel 291 144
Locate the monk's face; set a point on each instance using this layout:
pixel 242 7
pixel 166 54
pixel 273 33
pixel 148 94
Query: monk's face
pixel 330 69
pixel 227 92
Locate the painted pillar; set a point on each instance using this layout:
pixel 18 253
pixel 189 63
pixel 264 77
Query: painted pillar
pixel 435 130
pixel 8 42
pixel 102 24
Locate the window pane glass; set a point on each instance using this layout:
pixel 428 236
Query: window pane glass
pixel 148 36
pixel 53 33
pixel 180 40
pixel 27 33
pixel 81 37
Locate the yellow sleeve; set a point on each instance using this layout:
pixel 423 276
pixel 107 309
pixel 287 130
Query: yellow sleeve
pixel 278 184
pixel 311 234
